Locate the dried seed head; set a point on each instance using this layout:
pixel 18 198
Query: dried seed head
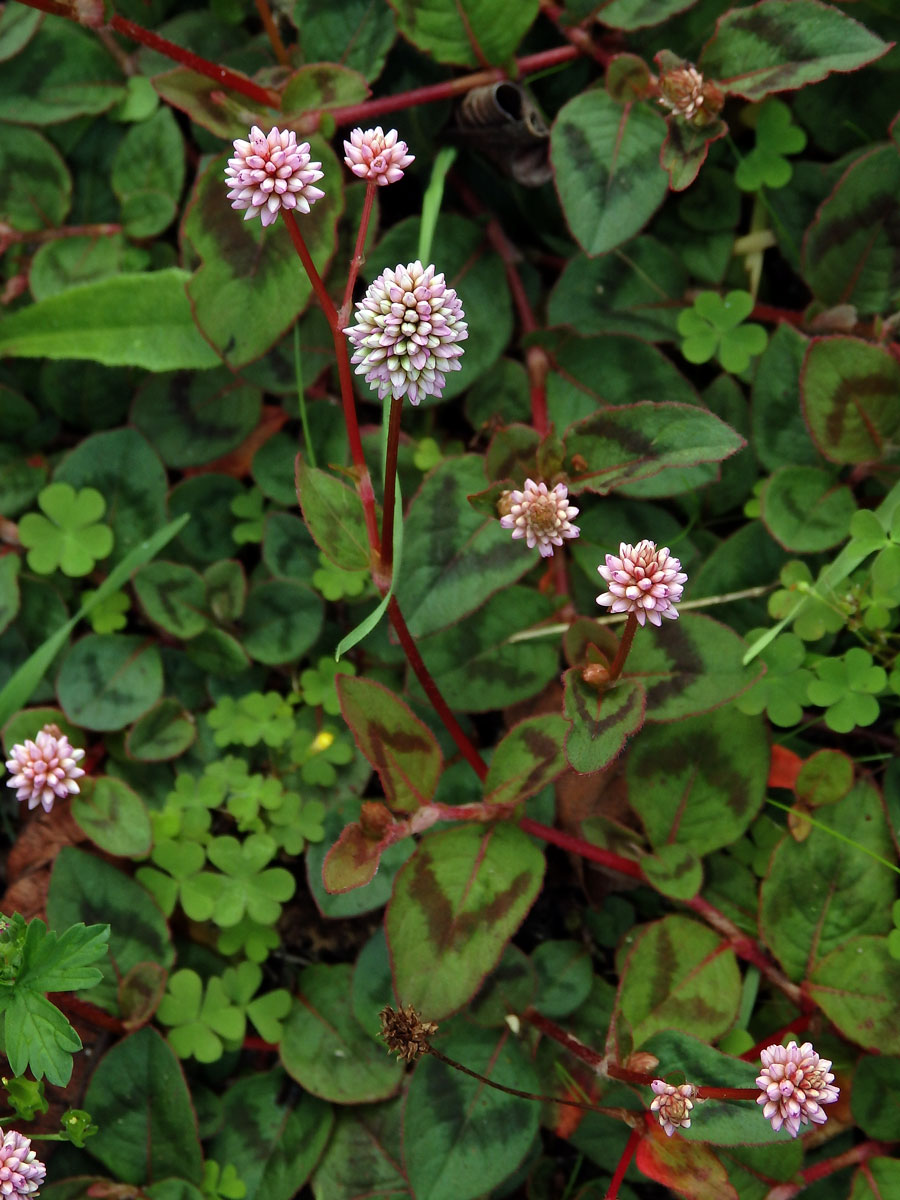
pixel 405 1033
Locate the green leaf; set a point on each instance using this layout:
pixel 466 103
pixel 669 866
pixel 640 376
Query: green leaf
pixel 113 817
pixel 322 85
pixel 63 72
pixel 282 619
pixel 69 536
pixel 849 389
pixel 622 445
pixel 699 783
pixel 674 870
pixel 638 14
pixel 782 690
pixel 39 1038
pixel 109 680
pixel 358 35
pixel 806 510
pixel 364 1155
pixel 9 589
pixel 713 327
pixel 776 136
pixel 846 893
pixel 856 987
pixel 84 887
pixel 692 665
pixel 468 32
pixel 255 268
pixel 460 1138
pixel 778 45
pixel 194 419
pixel 565 976
pixel 173 597
pixel 478 667
pixel 678 975
pixel 780 436
pixel 526 759
pixel 873 1100
pixel 61 962
pixel 163 733
pixel 686 148
pixel 139 320
pixel 35 184
pixel 879 1178
pixel 138 1097
pixel 273 1143
pixel 334 516
pixel 605 159
pixel 440 948
pixel 18 26
pixel 400 747
pixel 326 1050
pixel 602 720
pixel 148 174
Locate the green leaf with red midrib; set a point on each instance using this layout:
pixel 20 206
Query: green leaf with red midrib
pixel 400 747
pixel 528 758
pixel 602 720
pixel 849 391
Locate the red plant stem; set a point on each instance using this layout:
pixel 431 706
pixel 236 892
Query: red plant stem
pixel 358 254
pixel 102 229
pixel 577 845
pixel 624 647
pixel 364 482
pixel 265 15
pixel 577 36
pixel 856 1154
pixel 777 316
pixel 538 364
pixel 222 75
pixel 631 1146
pixel 353 114
pixel 575 1047
pixel 453 727
pixel 390 486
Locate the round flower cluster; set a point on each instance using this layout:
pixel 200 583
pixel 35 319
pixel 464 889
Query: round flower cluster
pixel 673 1105
pixel 377 156
pixel 272 172
pixel 21 1172
pixel 644 581
pixel 408 328
pixel 541 516
pixel 795 1084
pixel 45 769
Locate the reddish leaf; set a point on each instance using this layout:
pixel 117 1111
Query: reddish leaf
pixel 785 767
pixel 688 1168
pixel 351 862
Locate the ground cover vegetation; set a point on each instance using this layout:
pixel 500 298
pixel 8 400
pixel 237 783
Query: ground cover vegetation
pixel 449 588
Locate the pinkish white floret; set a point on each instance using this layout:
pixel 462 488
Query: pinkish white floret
pixel 21 1172
pixel 44 770
pixel 644 581
pixel 377 156
pixel 673 1105
pixel 794 1084
pixel 270 172
pixel 408 328
pixel 543 517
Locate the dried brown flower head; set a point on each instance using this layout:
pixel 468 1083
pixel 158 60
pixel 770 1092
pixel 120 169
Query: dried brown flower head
pixel 404 1032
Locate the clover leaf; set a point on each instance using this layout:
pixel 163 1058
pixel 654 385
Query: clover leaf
pixel 181 879
pixel 252 718
pixel 245 886
pixel 26 1097
pixel 222 1183
pixel 296 822
pixel 202 1021
pixel 776 136
pixel 248 505
pixel 782 691
pixel 77 1126
pixel 335 584
pixel 247 798
pixel 68 536
pixel 318 685
pixel 249 938
pixel 846 687
pixel 818 616
pixel 713 328
pixel 317 756
pixel 108 615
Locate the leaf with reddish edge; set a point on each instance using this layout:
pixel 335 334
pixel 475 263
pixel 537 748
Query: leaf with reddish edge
pixel 205 101
pixel 456 904
pixel 849 390
pixel 851 252
pixel 333 514
pixel 779 45
pixel 352 861
pixel 857 987
pixel 400 747
pixel 623 444
pixel 249 287
pixel 528 758
pixel 689 1168
pixel 689 666
pixel 320 85
pixel 685 149
pixel 602 721
pixel 678 975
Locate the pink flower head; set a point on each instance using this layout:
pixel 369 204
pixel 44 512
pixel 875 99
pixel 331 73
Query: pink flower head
pixel 269 173
pixel 673 1105
pixel 540 516
pixel 795 1083
pixel 409 324
pixel 21 1172
pixel 44 770
pixel 377 156
pixel 644 581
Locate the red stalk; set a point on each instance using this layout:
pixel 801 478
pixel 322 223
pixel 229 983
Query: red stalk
pixel 390 486
pixel 577 845
pixel 358 255
pixel 624 1163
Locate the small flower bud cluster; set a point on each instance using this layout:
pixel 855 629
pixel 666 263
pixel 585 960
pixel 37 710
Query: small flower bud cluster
pixel 21 1172
pixel 685 93
pixel 673 1105
pixel 795 1084
pixel 376 156
pixel 271 172
pixel 540 515
pixel 45 769
pixel 644 581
